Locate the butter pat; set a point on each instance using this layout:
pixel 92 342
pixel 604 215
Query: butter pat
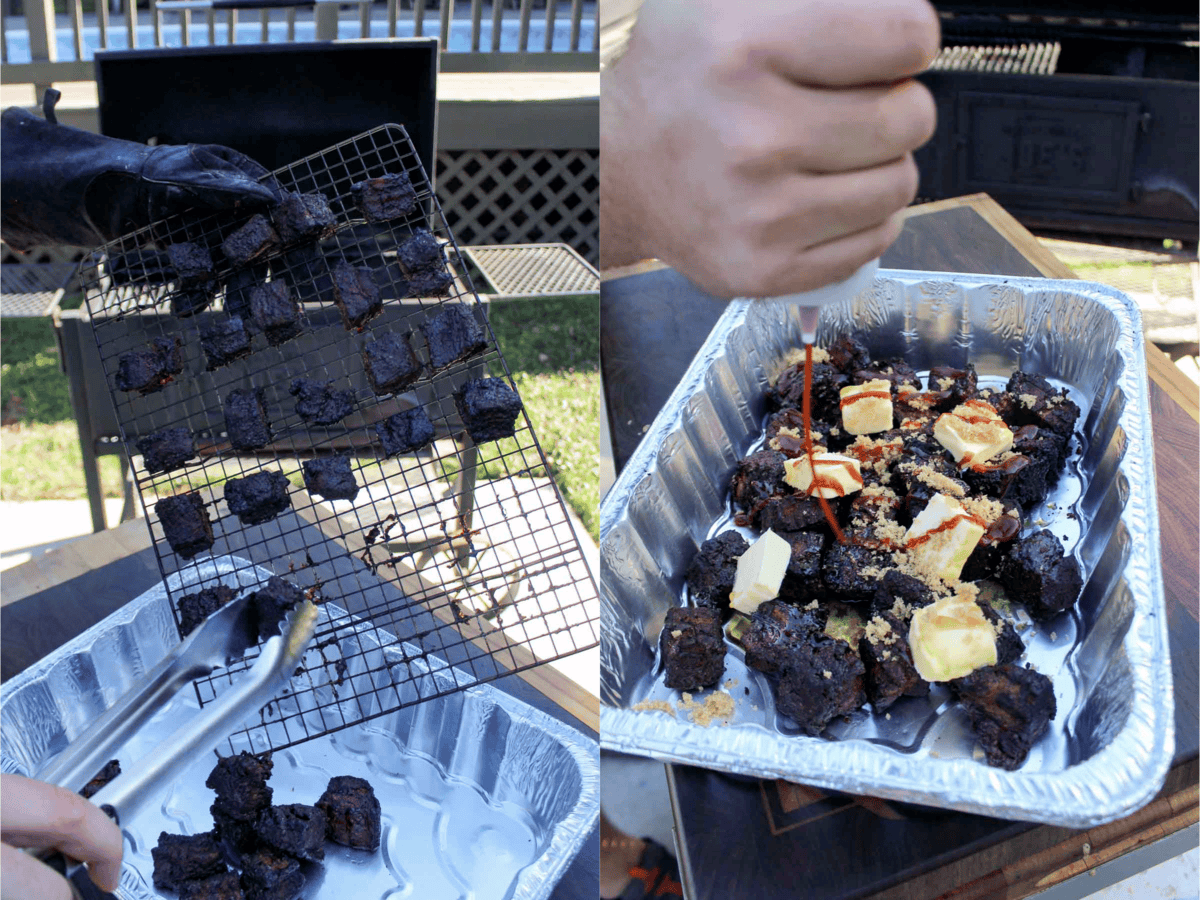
pixel 973 433
pixel 867 408
pixel 760 571
pixel 951 638
pixel 942 537
pixel 837 475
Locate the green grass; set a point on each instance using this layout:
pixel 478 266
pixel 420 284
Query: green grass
pixel 551 346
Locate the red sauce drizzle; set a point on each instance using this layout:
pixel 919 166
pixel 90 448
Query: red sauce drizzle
pixel 808 445
pixel 854 398
pixel 943 526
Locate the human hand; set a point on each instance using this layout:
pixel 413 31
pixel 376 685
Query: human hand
pixel 36 814
pixel 764 149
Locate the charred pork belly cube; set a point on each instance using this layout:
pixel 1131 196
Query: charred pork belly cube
pixel 1009 645
pixel 897 371
pixel 489 408
pixel 303 217
pixel 788 390
pixel 224 342
pixel 146 371
pixel 898 588
pixel 179 858
pixel 330 477
pixel 405 431
pixel 1010 708
pixel 802 579
pixel 259 497
pixel 430 283
pixel 1038 575
pixel 391 364
pixel 420 252
pixel 195 608
pixel 957 386
pixel 453 335
pixel 253 240
pixel 758 477
pixel 1037 402
pixel 168 449
pixel 317 403
pixel 271 604
pixel 237 837
pixel 185 523
pixel 848 354
pixel 993 547
pixel 1017 477
pixel 711 575
pixel 246 419
pixel 823 680
pixel 217 887
pixel 267 875
pixel 275 312
pixel 189 301
pixel 887 658
pixel 921 479
pixel 193 264
pixel 295 829
pixel 693 647
pixel 140 266
pixel 352 813
pixel 789 512
pixel 777 630
pixel 356 295
pixel 240 783
pixel 111 770
pixel 386 198
pixel 852 572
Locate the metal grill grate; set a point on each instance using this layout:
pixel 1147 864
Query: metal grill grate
pixel 542 269
pixel 28 290
pixel 523 196
pixel 480 575
pixel 1022 59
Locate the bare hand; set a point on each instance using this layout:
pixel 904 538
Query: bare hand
pixel 764 148
pixel 35 814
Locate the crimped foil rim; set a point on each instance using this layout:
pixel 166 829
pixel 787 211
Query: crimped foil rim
pixel 1079 796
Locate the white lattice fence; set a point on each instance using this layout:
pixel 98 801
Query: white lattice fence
pixel 522 196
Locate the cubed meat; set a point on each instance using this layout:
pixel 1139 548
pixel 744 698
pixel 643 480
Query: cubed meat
pixel 693 647
pixel 1010 708
pixel 757 477
pixel 330 477
pixel 267 875
pixel 254 240
pixel 955 386
pixel 185 523
pixel 195 608
pixel 224 341
pixel 225 886
pixel 386 198
pixel 848 354
pixel 275 312
pixel 777 630
pixel 295 829
pixel 1037 402
pixel 166 450
pixel 887 659
pixel 111 770
pixel 789 512
pixel 259 497
pixel 419 252
pixel 852 572
pixel 1019 478
pixel 390 364
pixel 788 390
pixel 802 579
pixel 317 403
pixel 993 547
pixel 1009 645
pixel 148 370
pixel 453 335
pixel 713 570
pixel 897 371
pixel 430 283
pixel 246 419
pixel 1038 575
pixel 899 594
pixel 405 432
pixel 303 217
pixel 352 813
pixel 271 604
pixel 489 409
pixel 356 295
pixel 193 264
pixel 237 837
pixel 823 680
pixel 240 783
pixel 185 857
pixel 791 441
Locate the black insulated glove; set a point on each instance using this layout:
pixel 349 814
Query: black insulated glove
pixel 62 185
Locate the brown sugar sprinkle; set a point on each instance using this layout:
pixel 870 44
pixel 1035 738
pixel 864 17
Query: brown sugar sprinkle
pixel 717 705
pixel 654 706
pixel 984 509
pixel 942 483
pixel 1028 400
pixel 879 631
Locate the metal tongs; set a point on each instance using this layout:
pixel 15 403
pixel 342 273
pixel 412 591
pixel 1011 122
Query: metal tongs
pixel 222 638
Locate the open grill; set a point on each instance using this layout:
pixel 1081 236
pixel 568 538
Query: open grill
pixel 465 551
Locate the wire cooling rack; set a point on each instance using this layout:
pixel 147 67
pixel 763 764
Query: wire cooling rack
pixel 463 550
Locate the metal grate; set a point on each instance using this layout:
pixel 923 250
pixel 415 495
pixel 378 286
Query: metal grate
pixel 528 269
pixel 479 576
pixel 1022 59
pixel 27 291
pixel 523 197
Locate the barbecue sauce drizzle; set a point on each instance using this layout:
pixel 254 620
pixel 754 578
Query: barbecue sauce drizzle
pixel 808 445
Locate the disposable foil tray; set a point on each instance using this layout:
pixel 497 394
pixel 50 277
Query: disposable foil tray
pixel 1108 748
pixel 481 794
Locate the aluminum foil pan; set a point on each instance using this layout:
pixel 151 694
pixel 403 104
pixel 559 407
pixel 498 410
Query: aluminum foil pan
pixel 482 795
pixel 1111 743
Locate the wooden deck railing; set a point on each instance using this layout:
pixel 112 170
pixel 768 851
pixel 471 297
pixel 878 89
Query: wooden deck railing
pixel 502 35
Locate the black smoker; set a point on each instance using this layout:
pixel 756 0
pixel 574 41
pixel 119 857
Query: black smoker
pixel 1079 116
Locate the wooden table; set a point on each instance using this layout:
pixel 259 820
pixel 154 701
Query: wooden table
pixel 49 600
pixel 794 841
